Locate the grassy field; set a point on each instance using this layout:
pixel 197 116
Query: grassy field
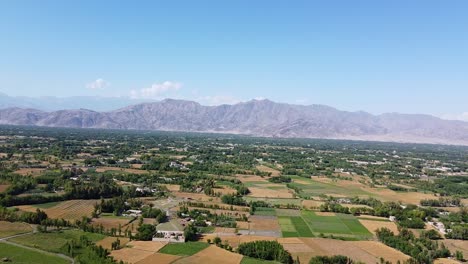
pixel 309 224
pixel 340 224
pixel 19 255
pixel 9 229
pixel 184 249
pixel 315 188
pixel 47 205
pixel 54 241
pixel 265 211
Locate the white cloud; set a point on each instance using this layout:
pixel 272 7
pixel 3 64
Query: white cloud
pixel 156 90
pixel 98 84
pixel 217 100
pixel 462 116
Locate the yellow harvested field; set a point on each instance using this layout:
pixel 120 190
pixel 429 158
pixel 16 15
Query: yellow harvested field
pixel 325 213
pixel 311 204
pixel 263 224
pixel 453 245
pixel 374 225
pixel 110 222
pixel 242 225
pixel 378 250
pixel 225 190
pixel 405 197
pixel 130 255
pixel 9 229
pixel 107 242
pixel 212 255
pixel 251 178
pixel 69 210
pixel 137 166
pixel 365 251
pixel 267 169
pixel 269 193
pixel 172 187
pixel 152 246
pixel 356 206
pixel 159 258
pixel 445 261
pixel 4 187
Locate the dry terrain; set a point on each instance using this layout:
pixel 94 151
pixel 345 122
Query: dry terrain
pixel 69 210
pixel 374 225
pixel 137 251
pixel 10 229
pixel 212 255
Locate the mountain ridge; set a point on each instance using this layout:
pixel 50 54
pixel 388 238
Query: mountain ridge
pixel 256 117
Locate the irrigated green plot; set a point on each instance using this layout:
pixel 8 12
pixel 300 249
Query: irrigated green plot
pixel 54 241
pixel 265 211
pixel 315 188
pixel 183 249
pixel 16 254
pixel 301 227
pixel 340 224
pixel 287 227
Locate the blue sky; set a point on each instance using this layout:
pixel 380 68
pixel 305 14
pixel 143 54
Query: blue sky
pixel 376 56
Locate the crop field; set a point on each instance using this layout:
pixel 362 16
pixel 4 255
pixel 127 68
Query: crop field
pixel 21 255
pixel 212 255
pixel 312 187
pixel 310 224
pixel 159 258
pixel 275 201
pixel 69 210
pixel 54 241
pixel 183 249
pixel 137 251
pixel 373 225
pixel 270 193
pixel 9 229
pixel 111 222
pixel 265 211
pixel 107 242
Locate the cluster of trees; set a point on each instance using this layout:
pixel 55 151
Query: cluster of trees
pixel 423 250
pixel 11 215
pixel 150 212
pixel 84 251
pixel 233 199
pixel 458 232
pixel 267 250
pixel 280 179
pixel 337 259
pixel 442 202
pixel 334 207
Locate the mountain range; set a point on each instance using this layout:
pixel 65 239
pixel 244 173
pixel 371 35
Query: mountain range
pixel 255 117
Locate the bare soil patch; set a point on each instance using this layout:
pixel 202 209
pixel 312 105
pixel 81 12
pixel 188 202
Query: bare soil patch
pixel 172 187
pixel 264 224
pixel 242 225
pixel 151 246
pixel 4 187
pixel 453 245
pixel 109 223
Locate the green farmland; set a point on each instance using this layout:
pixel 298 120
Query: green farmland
pixel 310 224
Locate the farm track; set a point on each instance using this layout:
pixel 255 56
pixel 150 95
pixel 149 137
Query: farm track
pixel 5 240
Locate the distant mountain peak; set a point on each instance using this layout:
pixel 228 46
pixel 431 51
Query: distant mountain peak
pixel 255 117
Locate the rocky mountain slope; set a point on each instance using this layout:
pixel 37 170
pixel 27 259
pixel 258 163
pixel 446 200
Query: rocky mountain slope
pixel 259 118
